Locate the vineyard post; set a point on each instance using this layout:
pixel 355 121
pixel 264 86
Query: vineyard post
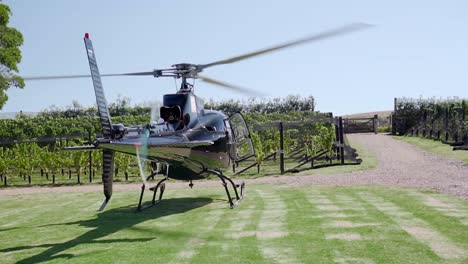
pixel 337 136
pixel 394 116
pixel 446 123
pixel 281 147
pixel 463 117
pixel 463 110
pixel 341 139
pixel 90 159
pixel 375 123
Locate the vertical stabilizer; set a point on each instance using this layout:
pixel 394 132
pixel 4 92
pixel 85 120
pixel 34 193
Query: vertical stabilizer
pixel 104 115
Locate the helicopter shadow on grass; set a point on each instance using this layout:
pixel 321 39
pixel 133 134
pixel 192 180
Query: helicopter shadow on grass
pixel 112 221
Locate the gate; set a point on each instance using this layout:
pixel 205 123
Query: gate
pixel 360 125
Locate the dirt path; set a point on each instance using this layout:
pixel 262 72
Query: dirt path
pixel 400 164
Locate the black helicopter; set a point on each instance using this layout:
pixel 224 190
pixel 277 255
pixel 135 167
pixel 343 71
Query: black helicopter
pixel 191 141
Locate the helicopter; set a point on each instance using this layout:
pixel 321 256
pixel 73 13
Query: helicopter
pixel 190 141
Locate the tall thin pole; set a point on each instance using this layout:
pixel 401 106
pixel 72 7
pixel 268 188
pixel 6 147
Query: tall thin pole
pixel 90 160
pixel 281 147
pixel 394 116
pixel 340 120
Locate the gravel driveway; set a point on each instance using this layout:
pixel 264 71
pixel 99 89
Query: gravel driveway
pixel 399 164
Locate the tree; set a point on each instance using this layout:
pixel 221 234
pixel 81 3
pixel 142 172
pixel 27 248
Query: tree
pixel 10 55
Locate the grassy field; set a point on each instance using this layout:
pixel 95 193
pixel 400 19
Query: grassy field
pixel 274 223
pixel 435 147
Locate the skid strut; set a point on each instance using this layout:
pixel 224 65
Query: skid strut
pixel 160 185
pixel 233 202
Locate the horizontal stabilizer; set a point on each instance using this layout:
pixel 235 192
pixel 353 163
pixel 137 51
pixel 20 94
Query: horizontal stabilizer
pixel 187 144
pixel 90 147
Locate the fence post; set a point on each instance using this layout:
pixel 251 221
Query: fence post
pixel 394 115
pixel 337 136
pixel 376 123
pixel 281 147
pixel 29 179
pixel 53 178
pixel 90 159
pixel 446 122
pixel 5 181
pixel 341 140
pixel 78 177
pixel 463 110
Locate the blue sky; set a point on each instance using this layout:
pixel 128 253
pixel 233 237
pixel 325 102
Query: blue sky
pixel 417 48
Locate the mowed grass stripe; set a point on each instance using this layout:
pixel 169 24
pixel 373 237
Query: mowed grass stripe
pixel 234 238
pixel 450 225
pixel 201 236
pixel 272 231
pixel 341 225
pixel 364 236
pixel 444 206
pixel 420 230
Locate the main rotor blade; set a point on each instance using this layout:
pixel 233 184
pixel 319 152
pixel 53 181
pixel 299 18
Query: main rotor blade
pixel 321 36
pixel 39 78
pixel 230 86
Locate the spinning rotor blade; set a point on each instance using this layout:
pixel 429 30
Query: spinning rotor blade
pixel 321 36
pixel 39 78
pixel 231 87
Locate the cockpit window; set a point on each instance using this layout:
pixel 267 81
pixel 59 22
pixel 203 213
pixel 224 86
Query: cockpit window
pixel 241 145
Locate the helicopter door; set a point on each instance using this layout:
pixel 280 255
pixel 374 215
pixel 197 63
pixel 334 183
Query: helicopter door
pixel 241 143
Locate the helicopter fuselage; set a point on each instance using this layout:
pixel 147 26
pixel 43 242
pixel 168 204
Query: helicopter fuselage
pixel 178 148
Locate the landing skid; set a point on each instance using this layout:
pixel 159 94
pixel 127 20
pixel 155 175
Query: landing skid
pixel 160 185
pixel 232 202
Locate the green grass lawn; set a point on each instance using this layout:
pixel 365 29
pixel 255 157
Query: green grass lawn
pixel 274 223
pixel 435 147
